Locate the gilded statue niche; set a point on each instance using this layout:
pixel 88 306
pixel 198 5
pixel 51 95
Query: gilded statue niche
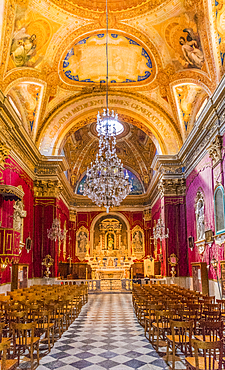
pixel 129 61
pixel 110 237
pixel 82 242
pixel 138 242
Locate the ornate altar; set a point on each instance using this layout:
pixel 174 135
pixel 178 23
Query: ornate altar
pixel 111 258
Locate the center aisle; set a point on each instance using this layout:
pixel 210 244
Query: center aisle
pixel 106 335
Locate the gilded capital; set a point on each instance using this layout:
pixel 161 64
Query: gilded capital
pixel 215 150
pixel 47 188
pixel 172 187
pixel 73 216
pixel 4 153
pixel 147 215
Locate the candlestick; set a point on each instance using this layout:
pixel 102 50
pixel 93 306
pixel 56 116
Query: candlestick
pixel 131 273
pixel 86 273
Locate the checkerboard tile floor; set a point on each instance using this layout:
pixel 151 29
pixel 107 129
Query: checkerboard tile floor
pixel 106 335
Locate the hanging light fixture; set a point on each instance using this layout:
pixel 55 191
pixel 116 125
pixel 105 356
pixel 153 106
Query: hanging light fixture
pixel 107 183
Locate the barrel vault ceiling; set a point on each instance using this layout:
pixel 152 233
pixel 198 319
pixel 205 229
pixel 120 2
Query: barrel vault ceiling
pixel 166 58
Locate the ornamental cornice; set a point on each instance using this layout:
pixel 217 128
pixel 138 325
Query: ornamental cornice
pixel 172 187
pixel 47 188
pixel 215 150
pixel 168 165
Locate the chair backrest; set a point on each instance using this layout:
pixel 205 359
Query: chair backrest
pixel 211 315
pixel 211 330
pixel 183 332
pixel 23 332
pixel 211 354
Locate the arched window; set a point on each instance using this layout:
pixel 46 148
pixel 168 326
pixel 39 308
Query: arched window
pixel 219 209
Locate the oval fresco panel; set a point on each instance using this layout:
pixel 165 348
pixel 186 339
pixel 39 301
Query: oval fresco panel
pixel 129 61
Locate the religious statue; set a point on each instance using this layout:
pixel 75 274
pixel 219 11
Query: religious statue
pixel 110 242
pixel 82 241
pixel 199 211
pixel 18 215
pixel 82 238
pixel 137 241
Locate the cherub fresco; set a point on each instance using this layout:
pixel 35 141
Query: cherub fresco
pixel 23 47
pixel 193 55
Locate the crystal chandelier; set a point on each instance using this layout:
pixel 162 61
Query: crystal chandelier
pixel 107 183
pixel 159 231
pixel 55 232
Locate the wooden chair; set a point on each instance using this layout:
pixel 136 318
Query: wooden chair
pixel 210 357
pixel 151 317
pixel 161 328
pixel 210 331
pixel 6 364
pixel 24 339
pixel 179 339
pixel 44 327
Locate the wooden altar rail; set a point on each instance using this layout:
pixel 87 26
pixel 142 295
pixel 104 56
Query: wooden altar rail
pixel 99 285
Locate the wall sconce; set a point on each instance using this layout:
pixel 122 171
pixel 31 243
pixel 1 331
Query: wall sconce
pixel 214 264
pixel 4 264
pixel 191 243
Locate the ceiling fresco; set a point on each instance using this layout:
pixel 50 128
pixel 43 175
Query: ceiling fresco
pixel 165 58
pixel 128 61
pixel 27 97
pixel 188 98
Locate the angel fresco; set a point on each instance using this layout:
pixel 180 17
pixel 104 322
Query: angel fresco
pixel 192 52
pixel 23 47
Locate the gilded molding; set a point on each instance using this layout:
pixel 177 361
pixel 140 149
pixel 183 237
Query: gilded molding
pixel 47 188
pixel 172 187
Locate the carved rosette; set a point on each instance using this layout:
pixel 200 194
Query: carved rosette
pixel 4 153
pixel 172 187
pixel 47 188
pixel 215 150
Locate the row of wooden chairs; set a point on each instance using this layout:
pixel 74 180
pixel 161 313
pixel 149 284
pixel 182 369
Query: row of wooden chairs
pixel 33 315
pixel 178 318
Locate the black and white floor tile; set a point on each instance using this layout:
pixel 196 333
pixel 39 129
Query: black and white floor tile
pixel 106 335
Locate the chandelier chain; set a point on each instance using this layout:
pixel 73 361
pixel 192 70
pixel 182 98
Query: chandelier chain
pixel 106 183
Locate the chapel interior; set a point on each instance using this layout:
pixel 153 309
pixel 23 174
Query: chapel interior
pixel 158 66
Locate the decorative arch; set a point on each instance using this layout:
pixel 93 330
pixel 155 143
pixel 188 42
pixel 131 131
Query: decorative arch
pixel 74 114
pixel 219 209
